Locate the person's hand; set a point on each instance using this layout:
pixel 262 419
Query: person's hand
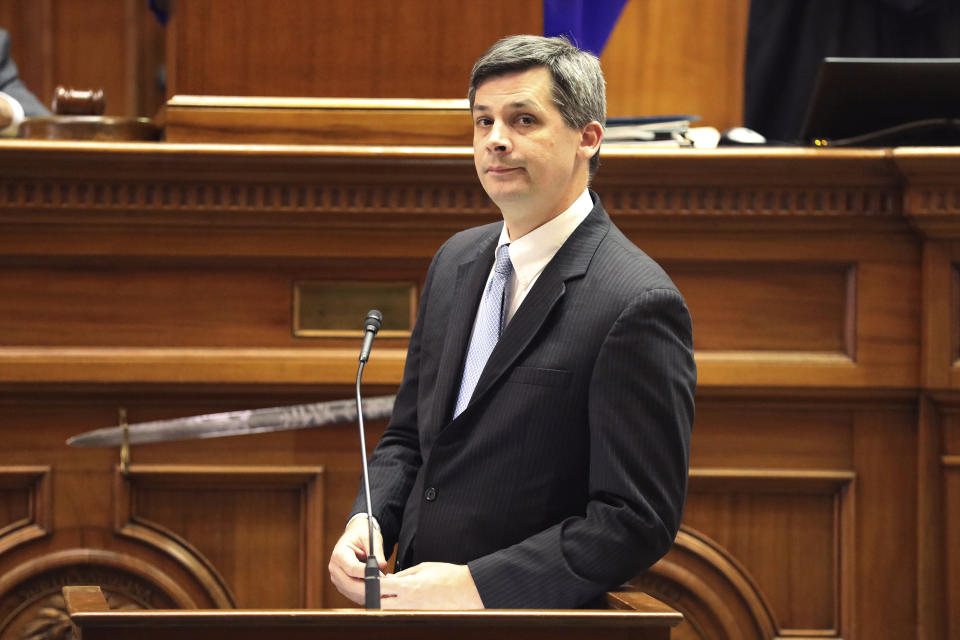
pixel 430 585
pixel 349 555
pixel 6 113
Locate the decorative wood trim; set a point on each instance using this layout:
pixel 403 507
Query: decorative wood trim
pixel 80 598
pixel 436 179
pixel 950 462
pixel 751 201
pixel 111 559
pixel 237 119
pixel 841 485
pixel 126 524
pixel 706 479
pixel 308 480
pixel 197 365
pixel 944 200
pixel 845 556
pixel 310 365
pixel 377 105
pixel 37 482
pixel 155 197
pixel 931 196
pixel 710 588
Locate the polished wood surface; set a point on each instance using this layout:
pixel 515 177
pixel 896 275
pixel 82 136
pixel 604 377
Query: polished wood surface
pixel 678 57
pixel 644 619
pixel 329 121
pixel 376 48
pixel 159 279
pixel 664 56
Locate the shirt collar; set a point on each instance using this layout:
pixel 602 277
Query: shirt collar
pixel 531 253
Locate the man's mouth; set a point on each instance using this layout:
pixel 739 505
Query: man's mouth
pixel 501 170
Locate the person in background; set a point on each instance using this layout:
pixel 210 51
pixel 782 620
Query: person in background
pixel 538 451
pixel 16 101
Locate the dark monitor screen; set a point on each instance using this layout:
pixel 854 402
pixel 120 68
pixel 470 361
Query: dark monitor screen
pixel 858 96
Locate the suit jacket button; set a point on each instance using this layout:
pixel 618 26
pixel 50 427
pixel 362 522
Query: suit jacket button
pixel 430 494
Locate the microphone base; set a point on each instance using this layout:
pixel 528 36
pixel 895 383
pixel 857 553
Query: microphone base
pixel 371 583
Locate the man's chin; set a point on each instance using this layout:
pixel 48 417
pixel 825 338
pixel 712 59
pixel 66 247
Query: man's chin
pixel 507 196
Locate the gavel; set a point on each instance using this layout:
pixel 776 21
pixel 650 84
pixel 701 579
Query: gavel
pixel 78 115
pixel 75 102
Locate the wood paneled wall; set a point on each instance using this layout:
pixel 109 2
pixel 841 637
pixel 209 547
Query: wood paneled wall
pixel 665 56
pixel 114 45
pixel 823 288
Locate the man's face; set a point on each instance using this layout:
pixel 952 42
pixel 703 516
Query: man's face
pixel 529 161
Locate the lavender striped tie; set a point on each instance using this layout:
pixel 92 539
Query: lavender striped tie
pixel 491 318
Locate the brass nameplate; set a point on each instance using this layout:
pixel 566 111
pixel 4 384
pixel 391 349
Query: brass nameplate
pixel 323 309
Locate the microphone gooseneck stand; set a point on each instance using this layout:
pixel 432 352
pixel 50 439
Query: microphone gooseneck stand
pixel 371 574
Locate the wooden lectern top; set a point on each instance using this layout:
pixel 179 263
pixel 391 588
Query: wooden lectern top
pixel 93 620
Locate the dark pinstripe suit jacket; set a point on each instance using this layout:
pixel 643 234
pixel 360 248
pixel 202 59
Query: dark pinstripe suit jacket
pixel 566 474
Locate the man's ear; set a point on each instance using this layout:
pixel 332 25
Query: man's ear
pixel 590 137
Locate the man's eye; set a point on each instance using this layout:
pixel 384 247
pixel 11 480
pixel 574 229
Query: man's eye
pixel 483 122
pixel 526 120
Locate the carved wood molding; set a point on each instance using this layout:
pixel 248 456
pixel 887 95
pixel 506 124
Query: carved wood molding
pixel 169 178
pixel 717 598
pixel 199 197
pixel 839 484
pixel 308 481
pixel 468 198
pixel 931 195
pixel 754 201
pixel 35 481
pixel 34 583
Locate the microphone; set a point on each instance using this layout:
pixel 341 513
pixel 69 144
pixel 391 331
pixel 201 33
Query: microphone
pixel 370 327
pixel 371 574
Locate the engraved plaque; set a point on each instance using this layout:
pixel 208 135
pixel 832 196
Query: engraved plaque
pixel 337 309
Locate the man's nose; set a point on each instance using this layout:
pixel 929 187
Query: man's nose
pixel 499 138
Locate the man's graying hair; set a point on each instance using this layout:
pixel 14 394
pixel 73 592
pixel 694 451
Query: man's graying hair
pixel 579 90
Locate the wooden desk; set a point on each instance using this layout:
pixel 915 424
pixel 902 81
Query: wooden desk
pixel 92 620
pixel 161 278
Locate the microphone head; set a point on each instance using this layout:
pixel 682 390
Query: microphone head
pixel 374 321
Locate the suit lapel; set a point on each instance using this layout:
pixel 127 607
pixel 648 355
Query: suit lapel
pixel 571 261
pixel 472 274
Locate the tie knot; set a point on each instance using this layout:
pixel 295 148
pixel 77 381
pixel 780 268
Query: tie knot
pixel 503 267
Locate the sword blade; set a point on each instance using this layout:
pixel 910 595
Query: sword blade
pixel 235 423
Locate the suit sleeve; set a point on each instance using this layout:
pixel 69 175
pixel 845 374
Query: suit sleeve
pixel 11 85
pixel 395 462
pixel 641 413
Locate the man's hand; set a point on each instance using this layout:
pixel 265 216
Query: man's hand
pixel 430 585
pixel 350 554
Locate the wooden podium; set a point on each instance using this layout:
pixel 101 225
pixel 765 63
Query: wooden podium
pixel 92 620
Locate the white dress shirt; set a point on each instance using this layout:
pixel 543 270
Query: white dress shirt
pixel 531 253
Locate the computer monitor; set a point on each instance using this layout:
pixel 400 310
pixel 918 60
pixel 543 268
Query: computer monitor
pixel 884 102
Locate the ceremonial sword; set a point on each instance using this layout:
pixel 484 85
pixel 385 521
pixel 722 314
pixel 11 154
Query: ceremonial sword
pixel 235 423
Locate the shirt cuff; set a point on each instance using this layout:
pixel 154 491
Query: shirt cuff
pixel 18 115
pixel 376 525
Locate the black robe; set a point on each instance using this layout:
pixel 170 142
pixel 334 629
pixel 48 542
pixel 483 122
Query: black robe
pixel 787 39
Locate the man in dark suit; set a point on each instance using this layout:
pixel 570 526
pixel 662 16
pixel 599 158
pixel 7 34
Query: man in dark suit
pixel 538 450
pixel 16 101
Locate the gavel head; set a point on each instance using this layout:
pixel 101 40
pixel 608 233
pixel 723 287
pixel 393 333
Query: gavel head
pixel 73 102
